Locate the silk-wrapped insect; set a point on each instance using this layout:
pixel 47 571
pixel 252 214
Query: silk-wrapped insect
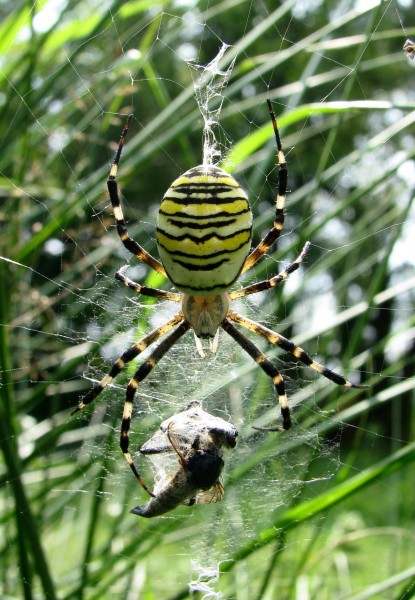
pixel 198 438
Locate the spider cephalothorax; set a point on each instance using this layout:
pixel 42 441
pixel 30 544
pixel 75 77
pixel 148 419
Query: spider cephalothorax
pixel 203 236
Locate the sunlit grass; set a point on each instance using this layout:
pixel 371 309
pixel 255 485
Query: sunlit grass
pixel 302 512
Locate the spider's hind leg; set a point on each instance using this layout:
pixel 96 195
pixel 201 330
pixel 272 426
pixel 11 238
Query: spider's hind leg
pixel 125 358
pixel 270 369
pixel 142 372
pixel 144 290
pixel 287 345
pixel 279 340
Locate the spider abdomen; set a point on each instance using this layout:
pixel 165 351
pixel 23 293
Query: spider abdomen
pixel 204 230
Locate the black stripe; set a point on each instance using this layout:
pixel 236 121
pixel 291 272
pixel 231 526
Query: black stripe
pixel 339 379
pixel 205 256
pixel 217 188
pixel 195 224
pixel 307 360
pixel 113 191
pixel 124 440
pixel 268 368
pixel 91 395
pixel 116 369
pixel 203 267
pixel 202 239
pixel 286 419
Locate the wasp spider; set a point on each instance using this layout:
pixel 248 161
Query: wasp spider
pixel 204 231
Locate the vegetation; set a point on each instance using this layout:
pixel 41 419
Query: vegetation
pixel 322 511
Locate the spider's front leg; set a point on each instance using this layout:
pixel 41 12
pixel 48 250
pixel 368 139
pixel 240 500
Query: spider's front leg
pixel 275 232
pixel 131 245
pixel 144 290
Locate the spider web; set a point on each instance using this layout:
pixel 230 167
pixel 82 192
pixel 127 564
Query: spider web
pixel 196 77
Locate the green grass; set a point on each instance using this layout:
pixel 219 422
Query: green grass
pixel 324 511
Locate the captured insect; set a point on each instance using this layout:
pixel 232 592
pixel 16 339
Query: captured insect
pixel 409 49
pixel 198 439
pixel 204 231
pixel 409 45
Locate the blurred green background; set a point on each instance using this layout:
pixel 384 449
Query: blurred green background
pixel 323 511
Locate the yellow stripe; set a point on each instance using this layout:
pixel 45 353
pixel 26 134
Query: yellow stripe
pixel 204 209
pixel 205 179
pixel 317 367
pixel 128 411
pixel 282 399
pixel 105 381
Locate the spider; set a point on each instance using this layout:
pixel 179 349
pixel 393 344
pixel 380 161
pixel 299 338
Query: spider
pixel 204 230
pixel 198 438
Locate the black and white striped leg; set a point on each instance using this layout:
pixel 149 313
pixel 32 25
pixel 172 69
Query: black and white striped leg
pixel 146 291
pixel 275 338
pixel 274 233
pixel 128 242
pixel 127 357
pixel 270 369
pixel 270 283
pixel 142 372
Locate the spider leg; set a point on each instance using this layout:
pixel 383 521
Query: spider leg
pixel 141 373
pixel 128 242
pixel 146 291
pixel 270 369
pixel 270 283
pixel 127 357
pixel 275 338
pixel 274 233
pixel 175 446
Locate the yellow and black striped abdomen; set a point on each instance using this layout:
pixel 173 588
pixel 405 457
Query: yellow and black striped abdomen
pixel 204 231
